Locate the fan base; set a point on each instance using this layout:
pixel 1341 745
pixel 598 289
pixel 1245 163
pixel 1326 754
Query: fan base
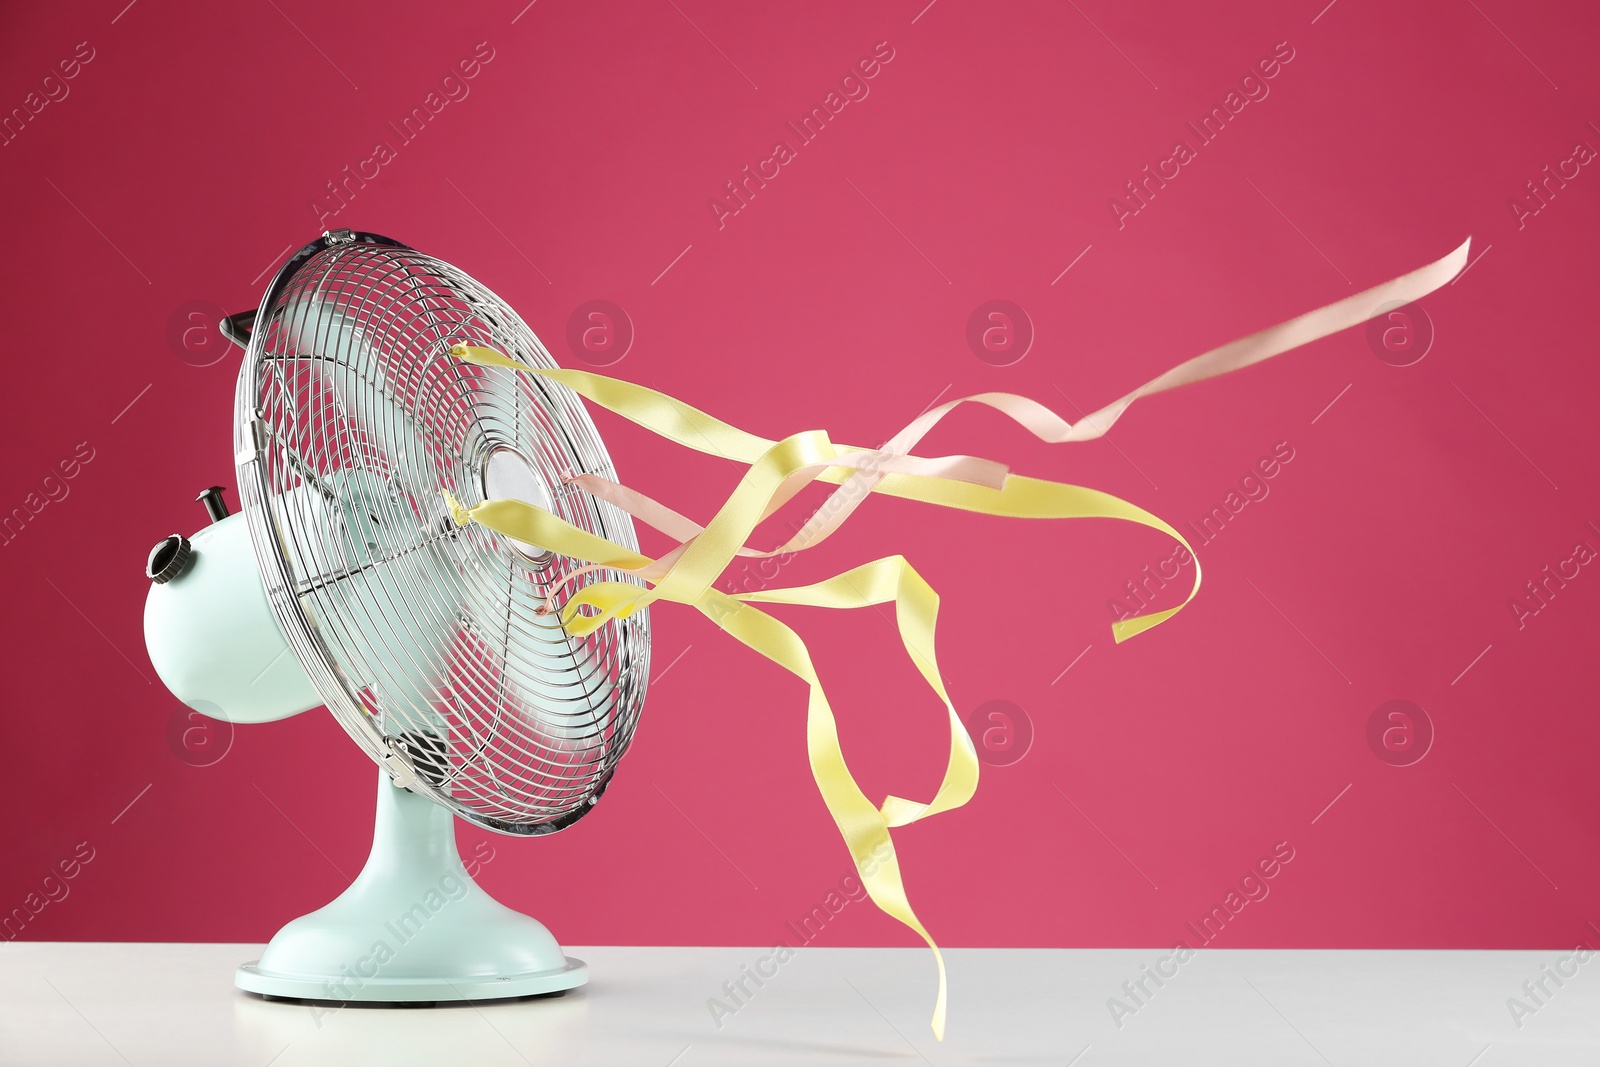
pixel 413 927
pixel 252 979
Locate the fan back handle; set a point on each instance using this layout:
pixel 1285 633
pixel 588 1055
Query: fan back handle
pixel 237 328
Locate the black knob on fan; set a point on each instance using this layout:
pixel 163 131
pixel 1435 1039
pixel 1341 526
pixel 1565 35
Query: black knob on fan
pixel 212 499
pixel 168 559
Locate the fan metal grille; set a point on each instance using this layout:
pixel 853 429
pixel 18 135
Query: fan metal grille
pixel 424 639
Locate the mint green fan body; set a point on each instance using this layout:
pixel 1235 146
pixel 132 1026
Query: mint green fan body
pixel 343 583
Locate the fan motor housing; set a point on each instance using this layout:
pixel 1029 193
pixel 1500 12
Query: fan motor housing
pixel 212 636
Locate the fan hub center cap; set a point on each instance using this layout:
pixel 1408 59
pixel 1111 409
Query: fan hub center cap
pixel 508 475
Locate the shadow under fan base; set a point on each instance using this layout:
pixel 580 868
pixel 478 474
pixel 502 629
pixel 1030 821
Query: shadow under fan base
pixel 412 928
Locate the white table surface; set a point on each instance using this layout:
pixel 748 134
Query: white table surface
pixel 175 1004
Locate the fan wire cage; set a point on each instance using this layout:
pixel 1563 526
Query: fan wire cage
pixel 432 643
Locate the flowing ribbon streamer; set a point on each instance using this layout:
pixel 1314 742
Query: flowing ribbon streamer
pixel 864 827
pixel 777 472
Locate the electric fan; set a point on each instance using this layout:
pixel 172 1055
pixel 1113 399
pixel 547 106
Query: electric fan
pixel 344 582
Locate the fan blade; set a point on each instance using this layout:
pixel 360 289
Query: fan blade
pixel 351 361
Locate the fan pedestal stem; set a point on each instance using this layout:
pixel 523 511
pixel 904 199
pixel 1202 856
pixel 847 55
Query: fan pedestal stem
pixel 413 927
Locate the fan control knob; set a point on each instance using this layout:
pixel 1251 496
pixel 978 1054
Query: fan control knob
pixel 170 558
pixel 216 508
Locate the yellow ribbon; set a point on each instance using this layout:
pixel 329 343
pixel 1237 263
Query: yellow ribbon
pixel 864 827
pixel 1018 497
pixel 954 482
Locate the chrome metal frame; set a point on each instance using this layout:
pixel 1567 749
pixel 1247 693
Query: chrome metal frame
pixel 425 641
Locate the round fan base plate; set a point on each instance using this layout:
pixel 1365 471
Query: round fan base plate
pixel 412 927
pixel 335 989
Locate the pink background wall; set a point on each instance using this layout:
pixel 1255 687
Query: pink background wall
pixel 188 155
